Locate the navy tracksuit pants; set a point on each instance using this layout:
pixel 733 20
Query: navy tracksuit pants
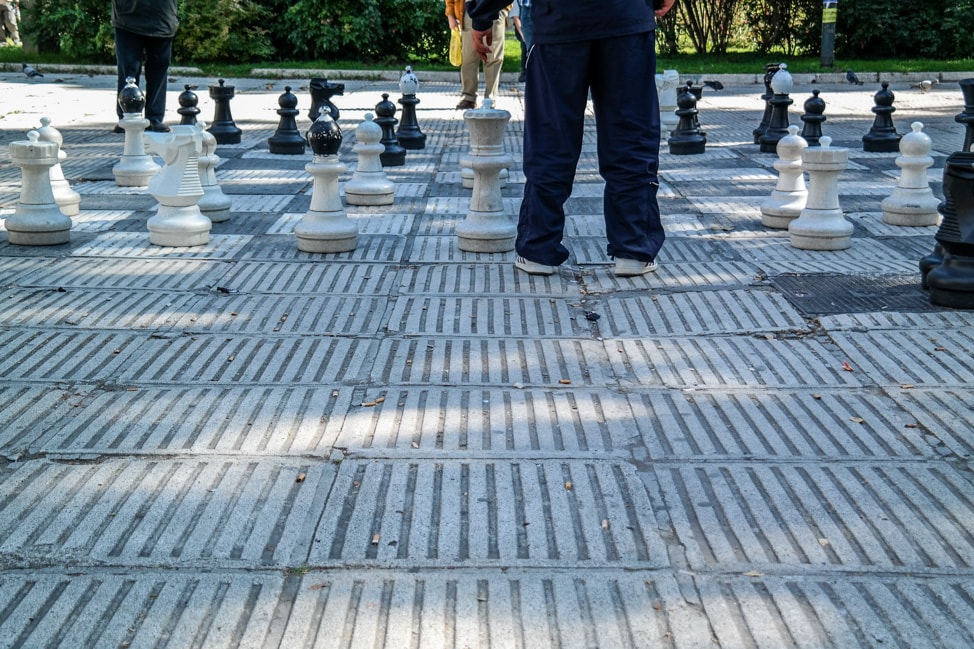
pixel 620 73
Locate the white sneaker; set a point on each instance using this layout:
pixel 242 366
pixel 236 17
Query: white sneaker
pixel 634 267
pixel 532 267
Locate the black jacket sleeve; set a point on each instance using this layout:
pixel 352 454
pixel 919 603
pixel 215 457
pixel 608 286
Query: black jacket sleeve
pixel 484 12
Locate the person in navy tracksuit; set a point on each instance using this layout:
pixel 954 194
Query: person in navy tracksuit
pixel 607 47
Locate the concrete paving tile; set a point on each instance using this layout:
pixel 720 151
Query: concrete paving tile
pixel 943 357
pixel 486 317
pixel 473 278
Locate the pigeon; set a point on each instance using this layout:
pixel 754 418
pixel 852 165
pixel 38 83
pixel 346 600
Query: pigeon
pixel 31 71
pixel 925 85
pixel 851 77
pixel 716 85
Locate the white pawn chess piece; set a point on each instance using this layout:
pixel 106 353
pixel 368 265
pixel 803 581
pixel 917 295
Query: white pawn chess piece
pixel 487 227
pixel 215 205
pixel 788 198
pixel 466 160
pixel 178 221
pixel 369 184
pixel 67 199
pixel 325 227
pixel 666 85
pixel 37 220
pixel 912 203
pixel 822 225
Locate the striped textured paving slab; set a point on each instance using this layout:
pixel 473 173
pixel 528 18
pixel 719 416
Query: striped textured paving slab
pixel 485 279
pixel 842 424
pixel 894 516
pixel 675 276
pixel 945 319
pixel 126 274
pixel 487 316
pixel 946 415
pixel 446 249
pixel 371 248
pixel 309 277
pixel 866 256
pixel 943 357
pixel 569 513
pixel 28 413
pixel 366 223
pixel 136 244
pixel 703 312
pixel 735 362
pixel 58 355
pixel 98 220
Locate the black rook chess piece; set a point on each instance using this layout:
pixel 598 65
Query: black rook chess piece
pixel 812 118
pixel 410 137
pixel 769 71
pixel 394 154
pixel 967 116
pixel 687 138
pixel 223 128
pixel 188 102
pixel 287 139
pixel 322 90
pixel 951 283
pixel 882 137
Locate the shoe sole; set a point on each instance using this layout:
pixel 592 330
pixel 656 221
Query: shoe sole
pixel 534 268
pixel 645 270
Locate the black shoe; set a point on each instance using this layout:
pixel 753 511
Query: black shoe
pixel 158 127
pixel 521 78
pixel 466 104
pixel 118 129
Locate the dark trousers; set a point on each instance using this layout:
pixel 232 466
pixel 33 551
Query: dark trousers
pixel 620 73
pixel 130 48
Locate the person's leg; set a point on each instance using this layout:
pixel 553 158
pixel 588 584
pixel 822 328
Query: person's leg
pixel 495 62
pixel 555 97
pixel 627 116
pixel 470 68
pixel 158 52
pixel 128 56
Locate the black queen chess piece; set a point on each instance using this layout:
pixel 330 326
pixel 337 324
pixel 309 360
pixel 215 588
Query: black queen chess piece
pixel 287 139
pixel 687 138
pixel 322 90
pixel 882 137
pixel 409 134
pixel 188 106
pixel 394 154
pixel 223 128
pixel 813 118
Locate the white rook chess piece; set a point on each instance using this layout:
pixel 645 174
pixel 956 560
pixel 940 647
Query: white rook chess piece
pixel 215 205
pixel 67 199
pixel 37 220
pixel 487 227
pixel 325 227
pixel 466 160
pixel 178 222
pixel 134 168
pixel 788 198
pixel 666 84
pixel 821 225
pixel 369 184
pixel 912 203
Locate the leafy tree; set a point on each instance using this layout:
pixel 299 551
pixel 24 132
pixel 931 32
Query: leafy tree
pixel 709 23
pixel 222 30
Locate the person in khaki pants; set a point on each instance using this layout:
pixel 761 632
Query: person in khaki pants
pixel 470 68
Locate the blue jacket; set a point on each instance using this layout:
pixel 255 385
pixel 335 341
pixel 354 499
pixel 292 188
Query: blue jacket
pixel 146 17
pixel 565 21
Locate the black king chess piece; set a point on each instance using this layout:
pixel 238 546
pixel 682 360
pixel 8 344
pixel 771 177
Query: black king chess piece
pixel 223 128
pixel 287 139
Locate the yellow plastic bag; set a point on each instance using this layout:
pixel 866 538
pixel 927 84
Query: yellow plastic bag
pixel 456 52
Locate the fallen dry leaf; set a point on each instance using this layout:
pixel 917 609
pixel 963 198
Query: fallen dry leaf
pixel 301 477
pixel 847 367
pixel 858 420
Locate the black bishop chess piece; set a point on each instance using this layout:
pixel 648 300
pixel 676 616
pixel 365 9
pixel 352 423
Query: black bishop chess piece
pixel 882 137
pixel 687 138
pixel 812 118
pixel 188 106
pixel 223 128
pixel 409 134
pixel 394 154
pixel 322 90
pixel 287 139
pixel 769 71
pixel 781 85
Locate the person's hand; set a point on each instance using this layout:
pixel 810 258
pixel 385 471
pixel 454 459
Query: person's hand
pixel 482 41
pixel 454 23
pixel 665 6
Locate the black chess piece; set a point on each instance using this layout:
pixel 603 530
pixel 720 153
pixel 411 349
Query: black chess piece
pixel 394 154
pixel 769 71
pixel 223 128
pixel 322 90
pixel 951 283
pixel 409 134
pixel 687 138
pixel 812 118
pixel 188 106
pixel 967 116
pixel 287 139
pixel 781 85
pixel 882 137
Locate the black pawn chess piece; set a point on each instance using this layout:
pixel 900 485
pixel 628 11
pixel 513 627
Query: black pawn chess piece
pixel 287 139
pixel 778 125
pixel 409 134
pixel 951 283
pixel 967 116
pixel 394 154
pixel 769 71
pixel 223 128
pixel 687 138
pixel 812 118
pixel 188 106
pixel 322 90
pixel 882 137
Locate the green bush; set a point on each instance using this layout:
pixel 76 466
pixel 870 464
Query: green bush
pixel 80 29
pixel 878 28
pixel 222 30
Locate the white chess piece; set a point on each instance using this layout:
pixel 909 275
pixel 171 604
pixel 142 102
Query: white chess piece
pixel 912 203
pixel 822 225
pixel 788 198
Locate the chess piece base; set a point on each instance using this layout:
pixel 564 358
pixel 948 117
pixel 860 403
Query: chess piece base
pixel 911 208
pixel 179 226
pixel 951 283
pixel 38 225
pixel 820 229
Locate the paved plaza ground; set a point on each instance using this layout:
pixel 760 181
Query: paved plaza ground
pixel 410 446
